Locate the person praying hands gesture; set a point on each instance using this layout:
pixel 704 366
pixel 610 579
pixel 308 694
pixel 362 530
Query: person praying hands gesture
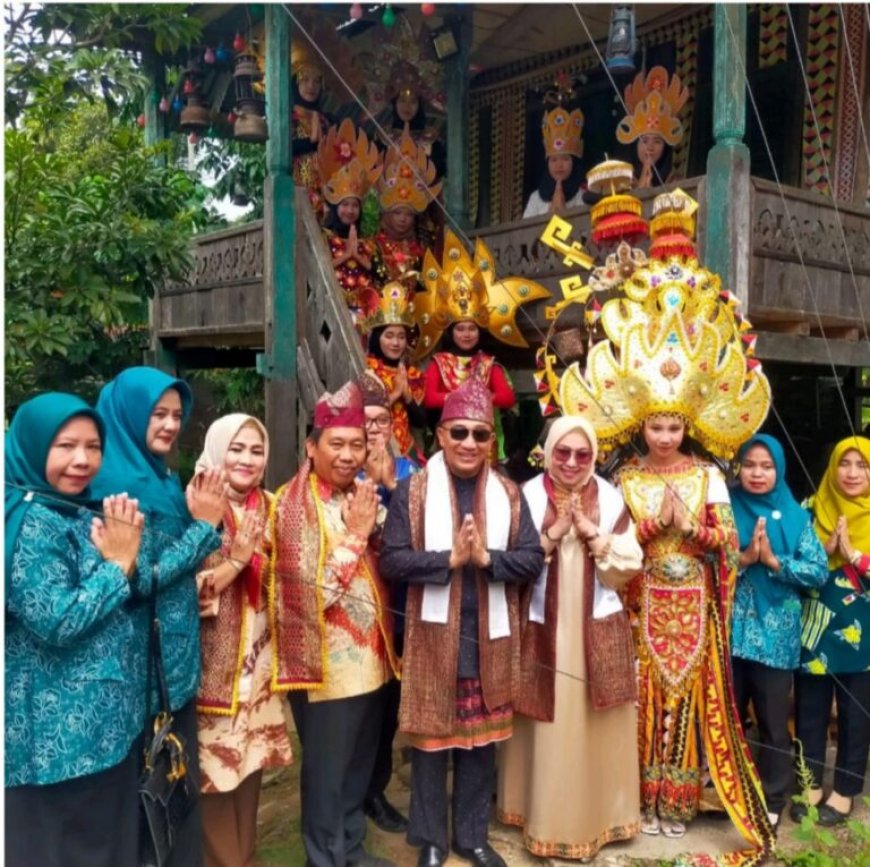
pixel 380 467
pixel 401 389
pixel 360 509
pixel 118 533
pixel 468 546
pixel 682 517
pixel 560 527
pixel 844 543
pixel 666 512
pixel 206 497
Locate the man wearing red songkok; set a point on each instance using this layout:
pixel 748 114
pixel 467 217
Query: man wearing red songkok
pixel 462 623
pixel 333 628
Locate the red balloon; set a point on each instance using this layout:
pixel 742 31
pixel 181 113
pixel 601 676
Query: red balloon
pixel 427 9
pixel 141 121
pixel 238 43
pixel 189 87
pixel 232 117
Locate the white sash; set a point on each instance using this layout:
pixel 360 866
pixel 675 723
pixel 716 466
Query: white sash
pixel 438 536
pixel 606 600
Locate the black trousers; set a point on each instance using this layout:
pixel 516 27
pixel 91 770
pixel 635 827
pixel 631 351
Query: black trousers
pixel 90 821
pixel 383 768
pixel 473 787
pixel 768 689
pixel 339 739
pixel 814 693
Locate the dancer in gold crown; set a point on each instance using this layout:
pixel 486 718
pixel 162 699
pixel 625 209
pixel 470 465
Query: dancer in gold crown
pixel 675 365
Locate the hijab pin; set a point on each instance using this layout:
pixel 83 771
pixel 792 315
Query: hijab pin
pixel 28 496
pixel 776 514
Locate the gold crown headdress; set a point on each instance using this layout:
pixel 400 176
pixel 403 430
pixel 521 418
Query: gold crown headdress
pixel 460 289
pixel 653 105
pixel 349 161
pixel 562 129
pixel 393 305
pixel 675 344
pixel 408 179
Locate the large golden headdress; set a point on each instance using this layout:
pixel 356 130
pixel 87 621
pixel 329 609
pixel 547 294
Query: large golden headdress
pixel 653 105
pixel 675 344
pixel 348 161
pixel 462 289
pixel 409 177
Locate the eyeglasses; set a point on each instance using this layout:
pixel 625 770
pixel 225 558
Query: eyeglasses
pixel 460 433
pixel 381 422
pixel 563 454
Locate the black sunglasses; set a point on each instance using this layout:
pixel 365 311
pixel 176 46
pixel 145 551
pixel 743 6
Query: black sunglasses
pixel 460 433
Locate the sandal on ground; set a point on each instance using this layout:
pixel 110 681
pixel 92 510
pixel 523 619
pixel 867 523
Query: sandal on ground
pixel 673 829
pixel 650 825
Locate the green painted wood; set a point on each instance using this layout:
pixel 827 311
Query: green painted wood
pixel 727 187
pixel 279 255
pixel 458 110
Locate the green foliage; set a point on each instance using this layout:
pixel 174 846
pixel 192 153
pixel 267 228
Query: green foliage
pixel 94 221
pixel 238 389
pixel 59 54
pixel 239 169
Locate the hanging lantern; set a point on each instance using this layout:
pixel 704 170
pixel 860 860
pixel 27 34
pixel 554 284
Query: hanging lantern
pixel 427 9
pixel 163 105
pixel 177 104
pixel 209 56
pixel 356 12
pixel 232 117
pixel 141 121
pixel 621 41
pixel 195 116
pixel 389 16
pixel 250 108
pixel 222 55
pixel 239 43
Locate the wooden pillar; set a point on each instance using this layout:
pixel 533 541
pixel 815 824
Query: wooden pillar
pixel 458 108
pixel 728 192
pixel 279 253
pixel 158 354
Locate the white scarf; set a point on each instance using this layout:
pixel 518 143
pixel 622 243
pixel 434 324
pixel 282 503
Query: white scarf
pixel 606 601
pixel 438 536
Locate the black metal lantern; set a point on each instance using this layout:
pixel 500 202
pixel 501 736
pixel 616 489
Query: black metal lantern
pixel 195 116
pixel 621 41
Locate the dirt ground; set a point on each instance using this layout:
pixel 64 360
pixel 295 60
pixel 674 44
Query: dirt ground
pixel 280 843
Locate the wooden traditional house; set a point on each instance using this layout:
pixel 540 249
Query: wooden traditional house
pixel 776 153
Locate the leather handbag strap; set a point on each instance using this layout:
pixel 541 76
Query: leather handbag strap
pixel 155 657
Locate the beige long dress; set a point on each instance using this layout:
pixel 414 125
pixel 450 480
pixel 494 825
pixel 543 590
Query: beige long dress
pixel 573 784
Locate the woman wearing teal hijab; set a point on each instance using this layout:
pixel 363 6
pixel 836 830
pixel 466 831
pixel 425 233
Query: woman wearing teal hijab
pixel 71 710
pixel 779 555
pixel 144 411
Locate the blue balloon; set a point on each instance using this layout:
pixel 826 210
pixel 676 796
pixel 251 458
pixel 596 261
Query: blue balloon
pixel 177 104
pixel 222 55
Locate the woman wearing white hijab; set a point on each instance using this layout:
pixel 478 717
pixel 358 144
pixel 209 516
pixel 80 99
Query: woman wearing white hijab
pixel 577 687
pixel 242 723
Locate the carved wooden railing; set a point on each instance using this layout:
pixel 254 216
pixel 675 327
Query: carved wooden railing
pixel 810 261
pixel 223 295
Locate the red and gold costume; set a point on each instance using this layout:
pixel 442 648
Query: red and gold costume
pixel 462 289
pixel 394 307
pixel 349 164
pixel 675 346
pixel 408 181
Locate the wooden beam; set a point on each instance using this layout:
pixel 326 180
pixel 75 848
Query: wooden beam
pixel 838 332
pixel 279 245
pixel 727 188
pixel 458 108
pixel 782 327
pixel 812 350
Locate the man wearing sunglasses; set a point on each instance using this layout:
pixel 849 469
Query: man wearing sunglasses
pixel 462 537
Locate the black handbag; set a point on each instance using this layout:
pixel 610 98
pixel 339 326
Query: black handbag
pixel 167 792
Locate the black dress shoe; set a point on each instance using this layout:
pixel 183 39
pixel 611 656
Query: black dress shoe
pixel 484 856
pixel 797 811
pixel 830 816
pixel 385 815
pixel 431 856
